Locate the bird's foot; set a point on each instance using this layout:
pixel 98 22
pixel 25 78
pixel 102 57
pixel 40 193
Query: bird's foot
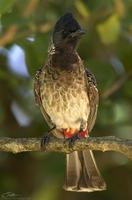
pixel 76 136
pixel 72 140
pixel 46 139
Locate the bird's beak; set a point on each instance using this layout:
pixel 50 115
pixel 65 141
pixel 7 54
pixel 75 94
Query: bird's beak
pixel 78 33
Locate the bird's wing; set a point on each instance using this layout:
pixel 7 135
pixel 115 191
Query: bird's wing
pixel 38 99
pixel 93 98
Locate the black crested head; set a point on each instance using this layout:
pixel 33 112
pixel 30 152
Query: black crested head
pixel 67 30
pixel 67 24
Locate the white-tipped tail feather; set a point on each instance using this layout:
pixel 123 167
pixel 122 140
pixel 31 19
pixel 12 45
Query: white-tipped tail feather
pixel 82 174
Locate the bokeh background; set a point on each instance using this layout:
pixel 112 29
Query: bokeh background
pixel 25 31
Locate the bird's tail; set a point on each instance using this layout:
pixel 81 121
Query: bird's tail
pixel 82 174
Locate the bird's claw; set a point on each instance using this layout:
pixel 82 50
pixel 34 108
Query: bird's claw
pixel 45 141
pixel 72 140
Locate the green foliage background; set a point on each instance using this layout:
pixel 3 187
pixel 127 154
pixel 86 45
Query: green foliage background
pixel 107 50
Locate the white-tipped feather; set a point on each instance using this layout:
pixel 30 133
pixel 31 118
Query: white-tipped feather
pixel 82 174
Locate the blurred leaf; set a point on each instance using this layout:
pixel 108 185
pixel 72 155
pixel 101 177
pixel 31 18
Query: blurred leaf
pixel 81 7
pixel 5 5
pixel 121 112
pixel 120 7
pixel 109 30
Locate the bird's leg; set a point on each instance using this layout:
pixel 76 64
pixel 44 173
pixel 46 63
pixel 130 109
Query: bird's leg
pixel 46 139
pixel 73 139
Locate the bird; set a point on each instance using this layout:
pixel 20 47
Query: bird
pixel 66 92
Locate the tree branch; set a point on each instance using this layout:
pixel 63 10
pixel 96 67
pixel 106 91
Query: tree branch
pixel 109 143
pixel 117 85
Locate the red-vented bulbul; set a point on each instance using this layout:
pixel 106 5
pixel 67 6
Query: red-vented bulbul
pixel 68 98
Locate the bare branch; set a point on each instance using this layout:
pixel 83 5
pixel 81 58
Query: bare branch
pixel 9 35
pixel 109 143
pixel 117 85
pixel 30 7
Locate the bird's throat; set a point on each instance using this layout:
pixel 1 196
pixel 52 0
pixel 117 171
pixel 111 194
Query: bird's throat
pixel 65 60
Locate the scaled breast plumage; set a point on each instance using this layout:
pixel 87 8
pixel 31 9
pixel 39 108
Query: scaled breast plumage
pixel 64 97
